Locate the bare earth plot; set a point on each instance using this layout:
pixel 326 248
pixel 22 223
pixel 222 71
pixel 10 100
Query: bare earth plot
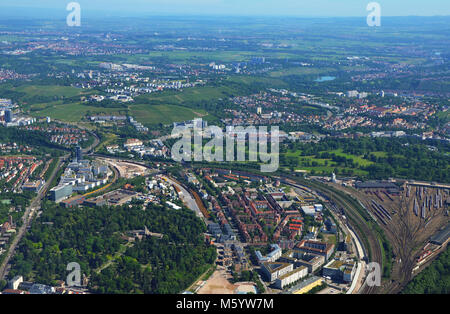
pixel 218 284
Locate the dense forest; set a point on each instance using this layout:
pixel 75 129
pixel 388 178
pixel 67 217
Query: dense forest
pixel 435 279
pixel 96 238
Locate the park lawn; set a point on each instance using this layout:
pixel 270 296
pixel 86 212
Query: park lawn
pixel 327 166
pixel 357 159
pixel 338 152
pixel 46 105
pixel 274 82
pixel 301 158
pixel 444 115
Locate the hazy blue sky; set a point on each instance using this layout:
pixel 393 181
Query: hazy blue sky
pixel 239 7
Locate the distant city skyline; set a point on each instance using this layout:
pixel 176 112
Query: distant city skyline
pixel 300 8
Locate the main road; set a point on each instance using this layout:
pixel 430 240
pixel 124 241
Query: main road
pixel 35 206
pixel 27 218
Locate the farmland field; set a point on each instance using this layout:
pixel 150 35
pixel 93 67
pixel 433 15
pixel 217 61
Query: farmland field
pixel 144 113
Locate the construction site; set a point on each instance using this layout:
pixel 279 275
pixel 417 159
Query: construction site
pixel 127 169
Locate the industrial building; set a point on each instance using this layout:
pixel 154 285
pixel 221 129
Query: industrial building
pixel 94 202
pixel 441 238
pixel 119 197
pixel 377 185
pixel 73 201
pixel 312 210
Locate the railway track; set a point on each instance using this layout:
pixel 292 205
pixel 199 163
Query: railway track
pixel 368 237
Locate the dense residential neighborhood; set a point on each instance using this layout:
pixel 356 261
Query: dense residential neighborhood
pixel 216 154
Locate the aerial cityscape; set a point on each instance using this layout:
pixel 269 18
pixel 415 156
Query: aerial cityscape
pixel 202 150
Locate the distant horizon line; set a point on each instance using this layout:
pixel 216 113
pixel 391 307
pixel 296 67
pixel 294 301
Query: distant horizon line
pixel 91 14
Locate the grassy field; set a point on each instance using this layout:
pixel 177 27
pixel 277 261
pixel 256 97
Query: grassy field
pixel 203 56
pixel 301 71
pixel 165 114
pixel 50 91
pixel 191 96
pixel 71 112
pixel 327 165
pixel 165 107
pixel 144 113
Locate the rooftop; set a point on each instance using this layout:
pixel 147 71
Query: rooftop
pixel 301 268
pixel 442 236
pixel 275 266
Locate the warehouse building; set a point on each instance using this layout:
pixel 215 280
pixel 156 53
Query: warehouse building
pixel 119 197
pixel 391 187
pixel 441 238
